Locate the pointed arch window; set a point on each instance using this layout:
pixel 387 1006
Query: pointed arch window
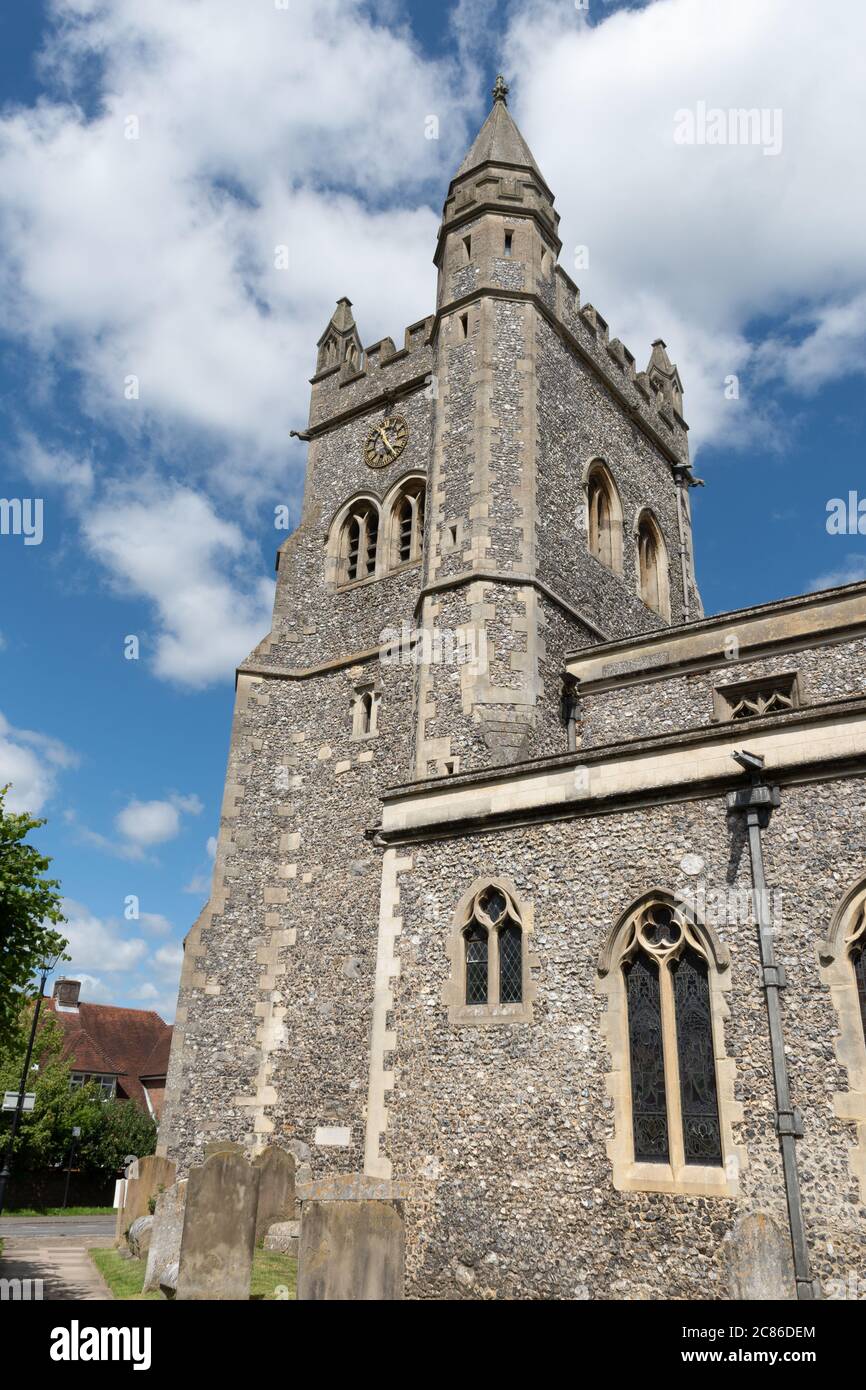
pixel 843 971
pixel 493 950
pixel 359 542
pixel 652 566
pixel 665 975
pixel 407 525
pixel 604 511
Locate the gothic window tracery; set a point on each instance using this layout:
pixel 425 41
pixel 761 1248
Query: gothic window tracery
pixel 493 946
pixel 674 1097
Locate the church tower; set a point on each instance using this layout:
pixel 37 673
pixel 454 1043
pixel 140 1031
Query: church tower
pixel 558 490
pixel 496 491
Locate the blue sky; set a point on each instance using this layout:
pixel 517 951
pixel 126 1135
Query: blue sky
pixel 153 360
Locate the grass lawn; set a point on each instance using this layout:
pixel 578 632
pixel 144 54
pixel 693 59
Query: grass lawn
pixel 271 1271
pixel 59 1211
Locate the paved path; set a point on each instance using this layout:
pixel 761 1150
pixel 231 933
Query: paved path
pixel 37 1226
pixel 61 1262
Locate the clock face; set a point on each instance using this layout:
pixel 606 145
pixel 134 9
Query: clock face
pixel 386 441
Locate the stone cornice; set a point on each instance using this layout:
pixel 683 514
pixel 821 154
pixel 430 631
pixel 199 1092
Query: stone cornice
pixel 830 615
pixel 814 743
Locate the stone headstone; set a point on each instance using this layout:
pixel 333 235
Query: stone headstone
pixel 168 1281
pixel 276 1188
pixel 219 1229
pixel 138 1238
pixel 166 1234
pixel 221 1146
pixel 283 1236
pixel 758 1258
pixel 152 1175
pixel 351 1250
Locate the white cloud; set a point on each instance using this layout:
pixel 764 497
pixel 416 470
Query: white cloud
pixel 155 255
pixel 54 468
pixel 147 823
pixel 101 944
pixel 212 846
pixel 168 960
pixel 31 762
pixel 168 544
pixel 850 571
pixel 155 923
pixel 697 243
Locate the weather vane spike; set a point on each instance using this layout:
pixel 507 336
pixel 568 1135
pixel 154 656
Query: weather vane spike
pixel 500 89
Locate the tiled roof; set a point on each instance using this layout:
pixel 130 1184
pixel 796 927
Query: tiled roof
pixel 129 1043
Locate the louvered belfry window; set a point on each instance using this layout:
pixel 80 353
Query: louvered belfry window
pixel 493 943
pixel 674 1097
pixel 360 542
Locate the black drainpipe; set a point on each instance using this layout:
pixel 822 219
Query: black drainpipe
pixel 757 803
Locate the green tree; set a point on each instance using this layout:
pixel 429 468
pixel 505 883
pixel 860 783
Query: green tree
pixel 29 914
pixel 109 1129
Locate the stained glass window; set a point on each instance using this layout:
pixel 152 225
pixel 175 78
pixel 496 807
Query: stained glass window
pixel 701 1133
pixel 858 960
pixel 476 964
pixel 649 1110
pixel 510 965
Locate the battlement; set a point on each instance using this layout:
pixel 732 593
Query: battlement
pixel 655 394
pixel 522 193
pixel 370 373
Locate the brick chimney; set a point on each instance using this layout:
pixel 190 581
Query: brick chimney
pixel 66 993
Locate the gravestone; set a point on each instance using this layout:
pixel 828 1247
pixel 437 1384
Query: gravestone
pixel 147 1177
pixel 276 1188
pixel 221 1146
pixel 219 1229
pixel 758 1258
pixel 351 1250
pixel 166 1234
pixel 139 1236
pixel 283 1236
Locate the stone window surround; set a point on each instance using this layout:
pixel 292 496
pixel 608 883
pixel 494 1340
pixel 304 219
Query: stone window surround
pixel 676 1177
pixel 848 925
pixel 388 513
pixel 598 467
pixel 373 688
pixel 489 1015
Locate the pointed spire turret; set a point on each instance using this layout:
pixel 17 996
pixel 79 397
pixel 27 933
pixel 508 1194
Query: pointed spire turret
pixel 340 341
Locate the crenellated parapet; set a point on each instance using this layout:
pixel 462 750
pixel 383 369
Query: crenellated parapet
pixel 654 396
pixel 366 376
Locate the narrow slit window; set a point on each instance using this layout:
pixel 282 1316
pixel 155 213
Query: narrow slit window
pixel 509 237
pixel 467 248
pixel 464 325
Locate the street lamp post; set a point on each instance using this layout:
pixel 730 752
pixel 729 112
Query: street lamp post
pixel 6 1172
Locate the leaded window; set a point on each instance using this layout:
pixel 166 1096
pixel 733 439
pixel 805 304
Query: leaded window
pixel 476 964
pixel 697 1065
pixel 493 944
pixel 649 1112
pixel 857 954
pixel 674 1096
pixel 510 965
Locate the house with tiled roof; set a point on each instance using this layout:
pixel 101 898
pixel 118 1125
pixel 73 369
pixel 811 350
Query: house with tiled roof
pixel 124 1050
